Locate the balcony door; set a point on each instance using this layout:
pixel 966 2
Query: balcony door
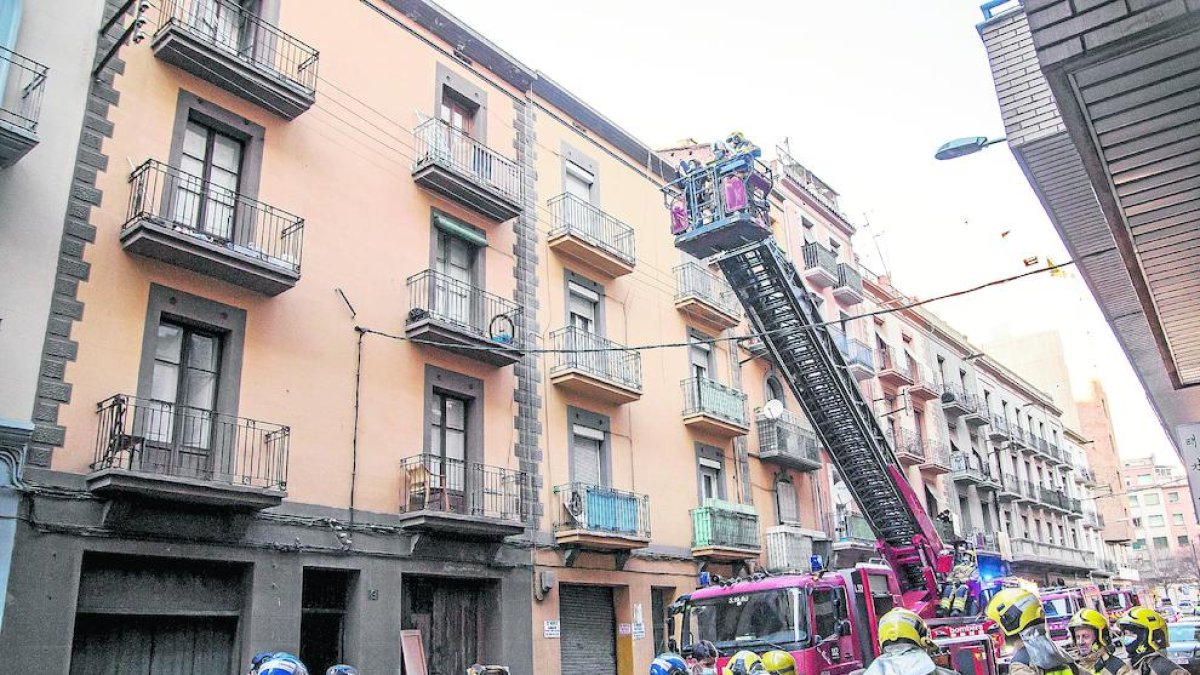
pixel 458 129
pixel 227 23
pixel 206 189
pixel 454 283
pixel 178 426
pixel 583 316
pixel 448 448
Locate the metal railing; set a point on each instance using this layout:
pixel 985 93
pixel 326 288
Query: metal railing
pixel 166 439
pixel 1056 452
pixel 188 205
pixel 999 425
pixel 709 397
pixel 986 541
pixel 894 360
pixel 953 394
pixel 937 453
pixel 1084 474
pixel 856 352
pixel 1029 490
pixel 434 483
pixel 21 89
pixel 716 526
pixel 1074 505
pixel 787 436
pixel 244 36
pixel 853 527
pixel 906 443
pixel 692 280
pixel 849 277
pixel 961 464
pixel 596 509
pixel 920 376
pixel 1017 435
pixel 471 310
pixel 577 349
pixel 789 549
pixel 1010 483
pixel 574 216
pixel 817 256
pixel 439 143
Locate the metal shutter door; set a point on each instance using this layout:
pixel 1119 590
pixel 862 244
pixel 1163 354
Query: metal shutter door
pixel 588 625
pixel 107 644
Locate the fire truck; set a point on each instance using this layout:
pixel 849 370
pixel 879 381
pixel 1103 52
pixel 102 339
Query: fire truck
pixel 826 620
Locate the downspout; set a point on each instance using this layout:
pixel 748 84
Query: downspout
pixel 354 442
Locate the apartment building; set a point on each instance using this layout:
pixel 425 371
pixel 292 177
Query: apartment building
pixel 45 68
pixel 1163 520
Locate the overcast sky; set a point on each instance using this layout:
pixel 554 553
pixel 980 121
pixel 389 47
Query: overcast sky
pixel 864 91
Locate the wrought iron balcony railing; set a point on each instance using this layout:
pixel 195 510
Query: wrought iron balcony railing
pixel 231 28
pixel 692 280
pixel 21 91
pixel 574 216
pixel 159 438
pixel 602 510
pixel 709 397
pixel 817 256
pixel 455 150
pixel 468 309
pixel 716 526
pixel 788 436
pixel 245 228
pixel 576 349
pixel 434 483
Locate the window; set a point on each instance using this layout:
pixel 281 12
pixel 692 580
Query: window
pixel 1160 543
pixel 789 505
pixel 588 455
pixel 456 112
pixel 206 197
pixel 223 22
pixel 448 438
pixel 184 381
pixel 1133 500
pixel 454 261
pixel 1151 499
pixel 774 390
pixel 1172 497
pixel 583 305
pixel 700 355
pixel 1155 521
pixel 829 610
pixel 1143 479
pixel 578 181
pixel 1183 540
pixel 1139 544
pixel 1137 522
pixel 710 472
pixel 919 425
pixel 1177 519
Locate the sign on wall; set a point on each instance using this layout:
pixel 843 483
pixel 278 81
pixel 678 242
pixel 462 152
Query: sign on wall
pixel 551 628
pixel 1189 446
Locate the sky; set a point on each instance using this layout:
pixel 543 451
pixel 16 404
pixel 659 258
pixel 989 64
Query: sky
pixel 863 92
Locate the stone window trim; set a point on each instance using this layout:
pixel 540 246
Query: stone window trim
pixel 458 86
pixel 191 107
pixel 597 422
pixel 229 322
pixel 439 380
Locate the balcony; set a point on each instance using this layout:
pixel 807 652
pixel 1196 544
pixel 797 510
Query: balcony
pixel 958 403
pixel 910 449
pixel 1021 440
pixel 849 288
pixel 1090 520
pixel 985 542
pixel 820 265
pixel 998 430
pixel 1085 476
pixel 969 470
pixel 1010 487
pixel 724 531
pixel 172 453
pixel 464 500
pixel 595 518
pixel 711 407
pixel 788 442
pixel 594 368
pixel 790 549
pixel 894 368
pixel 706 297
pixel 1052 452
pixel 452 164
pixel 459 318
pixel 937 457
pixel 583 232
pixel 1053 498
pixel 853 531
pixel 224 44
pixel 923 388
pixel 1030 493
pixel 20 105
pixel 859 359
pixel 181 220
pixel 1074 507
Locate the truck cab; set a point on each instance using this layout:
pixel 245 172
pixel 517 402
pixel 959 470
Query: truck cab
pixel 1060 605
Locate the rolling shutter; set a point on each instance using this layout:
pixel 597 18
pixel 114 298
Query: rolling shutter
pixel 588 624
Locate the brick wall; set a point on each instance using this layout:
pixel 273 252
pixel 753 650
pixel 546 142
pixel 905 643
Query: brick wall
pixel 1026 104
pixel 1063 29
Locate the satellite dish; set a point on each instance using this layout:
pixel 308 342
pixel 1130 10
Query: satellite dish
pixel 773 409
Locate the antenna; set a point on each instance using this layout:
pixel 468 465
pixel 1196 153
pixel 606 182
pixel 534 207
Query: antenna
pixel 887 270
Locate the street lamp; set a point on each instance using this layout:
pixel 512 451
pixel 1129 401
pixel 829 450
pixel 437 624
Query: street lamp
pixel 964 146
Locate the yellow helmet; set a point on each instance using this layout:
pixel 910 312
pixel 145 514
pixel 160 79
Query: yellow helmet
pixel 1090 618
pixel 902 625
pixel 779 662
pixel 742 663
pixel 1148 631
pixel 1015 609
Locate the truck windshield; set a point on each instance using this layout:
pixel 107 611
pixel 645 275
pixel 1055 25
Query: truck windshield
pixel 765 618
pixel 1114 601
pixel 1058 608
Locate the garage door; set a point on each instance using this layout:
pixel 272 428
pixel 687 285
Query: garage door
pixel 588 625
pixel 107 644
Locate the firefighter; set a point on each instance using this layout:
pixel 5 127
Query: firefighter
pixel 1093 639
pixel 778 662
pixel 282 663
pixel 341 669
pixel 744 662
pixel 956 592
pixel 705 654
pixel 1022 619
pixel 905 646
pixel 1144 634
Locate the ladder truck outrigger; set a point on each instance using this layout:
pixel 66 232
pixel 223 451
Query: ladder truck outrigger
pixel 827 619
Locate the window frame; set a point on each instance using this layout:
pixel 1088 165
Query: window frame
pixel 578 417
pixel 191 108
pixel 570 277
pixel 449 81
pixel 699 340
pixel 710 454
pixel 479 257
pixel 583 161
pixel 784 483
pixel 448 382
